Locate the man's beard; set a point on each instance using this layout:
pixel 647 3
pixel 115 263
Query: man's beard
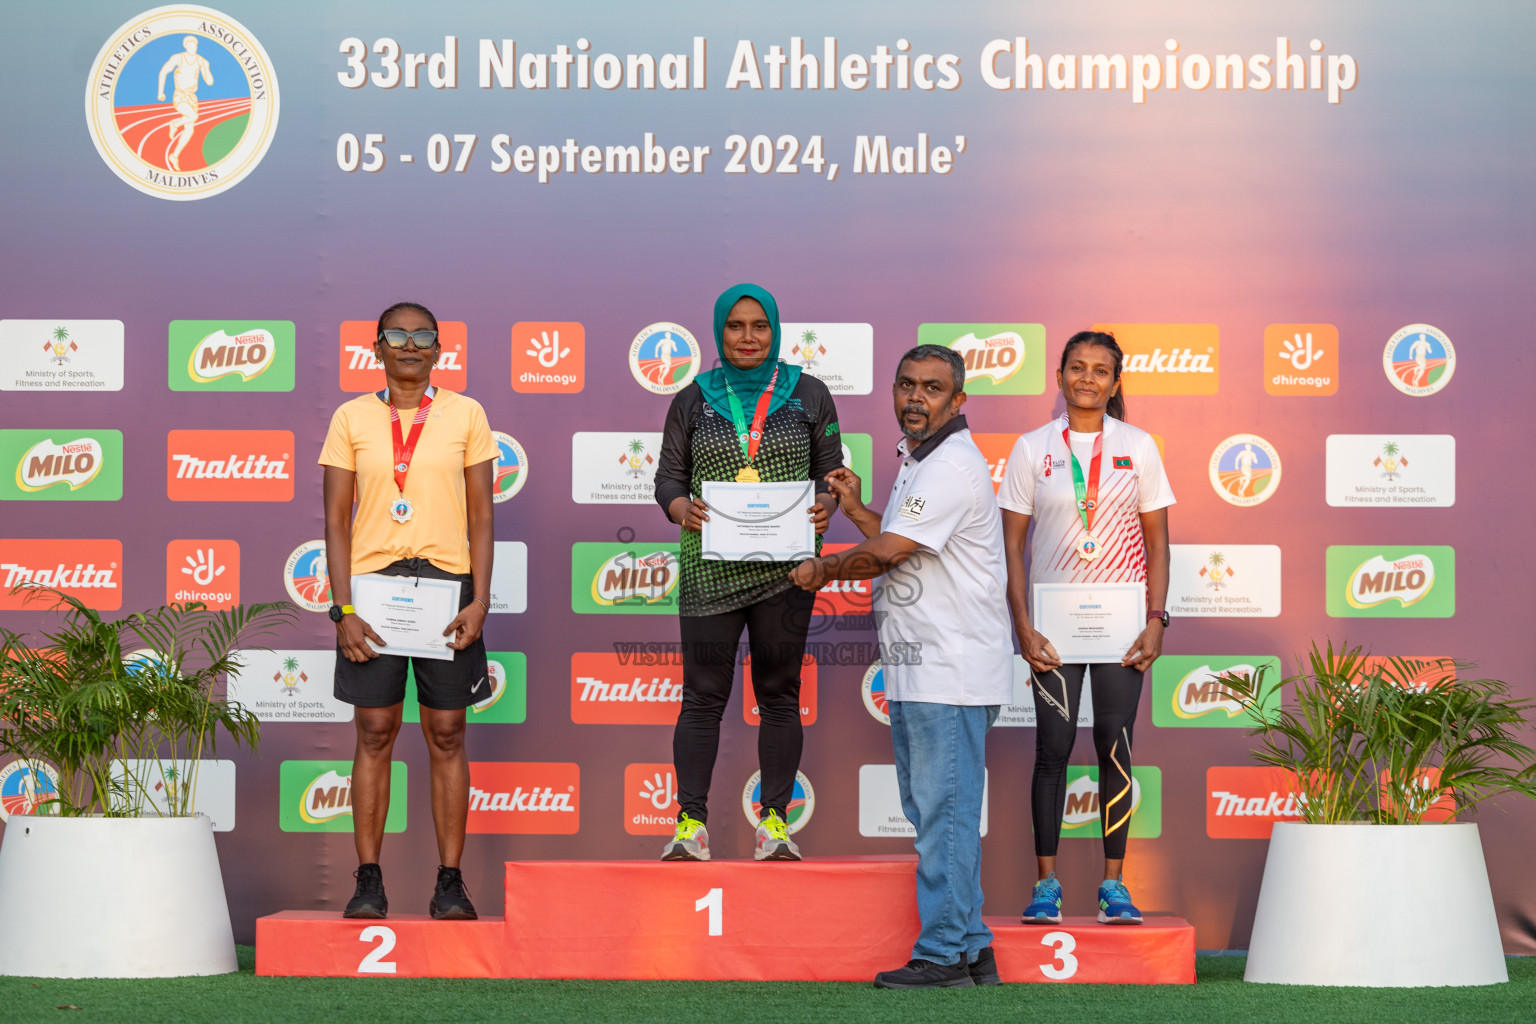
pixel 919 434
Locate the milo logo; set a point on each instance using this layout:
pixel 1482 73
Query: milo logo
pixel 996 357
pixel 231 355
pixel 326 798
pixel 75 463
pixel 1404 580
pixel 1000 359
pixel 249 354
pixel 59 465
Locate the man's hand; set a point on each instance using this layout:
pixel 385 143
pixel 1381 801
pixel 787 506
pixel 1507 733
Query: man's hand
pixel 846 485
pixel 810 574
pixel 350 634
pixel 465 628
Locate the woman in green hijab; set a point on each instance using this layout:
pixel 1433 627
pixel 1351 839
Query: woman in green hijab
pixel 754 418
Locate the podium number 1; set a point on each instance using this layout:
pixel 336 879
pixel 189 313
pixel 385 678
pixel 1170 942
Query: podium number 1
pixel 714 902
pixel 374 962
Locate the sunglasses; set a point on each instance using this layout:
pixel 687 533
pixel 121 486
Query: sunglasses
pixel 395 338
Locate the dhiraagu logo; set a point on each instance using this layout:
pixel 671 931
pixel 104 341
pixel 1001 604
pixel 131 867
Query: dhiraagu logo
pixel 637 578
pixel 1391 582
pixel 502 696
pixel 1000 359
pixel 61 465
pixel 316 796
pixel 1081 818
pixel 1187 692
pixel 231 355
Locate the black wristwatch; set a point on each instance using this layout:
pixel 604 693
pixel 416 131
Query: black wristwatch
pixel 1160 615
pixel 337 612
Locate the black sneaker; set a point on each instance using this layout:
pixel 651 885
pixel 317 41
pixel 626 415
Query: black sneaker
pixel 926 974
pixel 369 899
pixel 450 901
pixel 984 970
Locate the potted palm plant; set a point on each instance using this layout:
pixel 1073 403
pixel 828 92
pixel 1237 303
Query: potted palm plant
pixel 112 721
pixel 1382 881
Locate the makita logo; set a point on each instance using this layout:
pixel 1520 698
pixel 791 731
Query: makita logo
pixel 249 354
pixel 536 799
pixel 229 465
pixel 60 577
pixel 234 467
pixel 361 357
pixel 75 463
pixel 1174 361
pixel 1274 806
pixel 1404 580
pixel 639 691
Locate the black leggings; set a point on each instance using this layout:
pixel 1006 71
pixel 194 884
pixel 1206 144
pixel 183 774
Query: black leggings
pixel 1116 691
pixel 776 629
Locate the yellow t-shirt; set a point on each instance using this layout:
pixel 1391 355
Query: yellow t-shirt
pixel 455 435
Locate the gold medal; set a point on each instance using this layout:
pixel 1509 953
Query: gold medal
pixel 748 475
pixel 1088 547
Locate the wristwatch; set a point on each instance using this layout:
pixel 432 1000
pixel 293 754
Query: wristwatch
pixel 1158 613
pixel 337 612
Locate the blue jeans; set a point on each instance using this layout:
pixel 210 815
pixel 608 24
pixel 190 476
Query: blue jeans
pixel 941 758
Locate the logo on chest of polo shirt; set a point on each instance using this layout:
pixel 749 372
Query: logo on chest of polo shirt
pixel 1053 462
pixel 912 507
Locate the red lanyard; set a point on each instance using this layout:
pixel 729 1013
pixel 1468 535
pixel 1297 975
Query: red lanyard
pixel 405 448
pixel 751 438
pixel 1087 493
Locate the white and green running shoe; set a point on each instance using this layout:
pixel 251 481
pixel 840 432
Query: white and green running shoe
pixel 773 842
pixel 689 842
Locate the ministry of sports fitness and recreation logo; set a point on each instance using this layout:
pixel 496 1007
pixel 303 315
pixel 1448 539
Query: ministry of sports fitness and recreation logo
pixel 802 801
pixel 1245 470
pixel 873 688
pixel 511 467
pixel 664 358
pixel 25 786
pixel 182 102
pixel 1419 360
pixel 307 577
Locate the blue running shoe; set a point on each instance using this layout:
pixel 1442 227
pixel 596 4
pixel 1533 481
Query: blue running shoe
pixel 1045 905
pixel 1115 906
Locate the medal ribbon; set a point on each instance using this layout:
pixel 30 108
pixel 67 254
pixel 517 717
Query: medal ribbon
pixel 750 440
pixel 405 447
pixel 1087 492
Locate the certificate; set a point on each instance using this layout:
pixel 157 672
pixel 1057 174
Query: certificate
pixel 409 612
pixel 759 522
pixel 1090 622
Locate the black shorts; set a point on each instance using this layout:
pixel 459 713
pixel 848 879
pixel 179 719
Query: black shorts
pixel 440 685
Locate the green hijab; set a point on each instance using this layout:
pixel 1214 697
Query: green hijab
pixel 748 384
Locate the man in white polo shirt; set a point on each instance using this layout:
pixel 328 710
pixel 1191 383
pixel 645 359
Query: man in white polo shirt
pixel 943 619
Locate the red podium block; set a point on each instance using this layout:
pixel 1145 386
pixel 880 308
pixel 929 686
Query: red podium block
pixel 312 944
pixel 1161 951
pixel 828 919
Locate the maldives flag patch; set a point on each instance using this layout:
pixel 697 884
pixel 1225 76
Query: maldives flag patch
pixel 1122 462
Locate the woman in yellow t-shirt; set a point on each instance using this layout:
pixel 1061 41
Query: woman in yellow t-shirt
pixel 420 462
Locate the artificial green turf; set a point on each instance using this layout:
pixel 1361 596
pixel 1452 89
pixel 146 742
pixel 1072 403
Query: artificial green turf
pixel 1221 995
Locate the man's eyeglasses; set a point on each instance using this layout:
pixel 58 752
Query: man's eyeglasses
pixel 394 338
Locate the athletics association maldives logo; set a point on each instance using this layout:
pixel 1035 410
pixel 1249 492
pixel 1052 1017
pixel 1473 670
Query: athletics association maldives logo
pixel 1245 470
pixel 511 467
pixel 25 786
pixel 664 358
pixel 1419 360
pixel 307 578
pixel 873 688
pixel 182 102
pixel 802 802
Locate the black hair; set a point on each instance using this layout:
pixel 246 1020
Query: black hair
pixel 954 359
pixel 397 307
pixel 1103 339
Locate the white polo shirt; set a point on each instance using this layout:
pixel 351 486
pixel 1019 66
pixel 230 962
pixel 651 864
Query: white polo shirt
pixel 1038 483
pixel 943 614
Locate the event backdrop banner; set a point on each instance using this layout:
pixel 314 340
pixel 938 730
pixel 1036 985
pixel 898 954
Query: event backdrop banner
pixel 1297 217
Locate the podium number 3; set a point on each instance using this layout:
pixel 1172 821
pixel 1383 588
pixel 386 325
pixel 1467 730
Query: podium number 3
pixel 1064 944
pixel 374 962
pixel 714 902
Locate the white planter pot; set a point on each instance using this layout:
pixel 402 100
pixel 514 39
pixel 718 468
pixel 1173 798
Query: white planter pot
pixel 1375 906
pixel 112 898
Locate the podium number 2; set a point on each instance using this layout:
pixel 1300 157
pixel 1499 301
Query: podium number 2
pixel 1065 944
pixel 714 902
pixel 374 962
